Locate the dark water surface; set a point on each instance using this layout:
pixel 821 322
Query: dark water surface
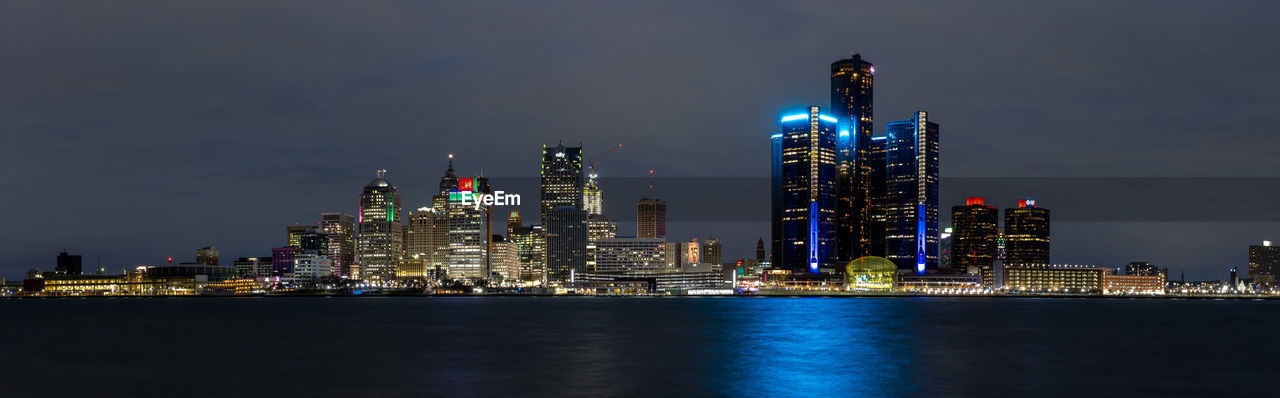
pixel 581 346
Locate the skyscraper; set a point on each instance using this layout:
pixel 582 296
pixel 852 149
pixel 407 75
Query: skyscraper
pixel 1264 261
pixel 531 242
pixel 505 258
pixel 340 230
pixel 561 178
pixel 877 199
pixel 469 231
pixel 973 239
pixel 563 215
pixel 513 221
pixel 566 230
pixel 207 255
pixel 379 243
pixel 851 102
pixel 911 184
pixel 805 195
pixel 651 218
pixel 1026 230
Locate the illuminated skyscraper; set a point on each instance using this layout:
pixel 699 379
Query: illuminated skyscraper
pixel 561 176
pixel 566 230
pixel 564 218
pixel 593 197
pixel 469 230
pixel 851 99
pixel 805 172
pixel 1026 230
pixel 911 183
pixel 973 239
pixel 1264 261
pixel 877 199
pixel 532 245
pixel 340 229
pixel 513 221
pixel 651 218
pixel 505 256
pixel 379 243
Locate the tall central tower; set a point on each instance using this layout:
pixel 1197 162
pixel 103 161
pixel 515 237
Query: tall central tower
pixel 911 153
pixel 860 197
pixel 381 239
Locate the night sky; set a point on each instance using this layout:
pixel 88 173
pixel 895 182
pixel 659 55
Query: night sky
pixel 134 131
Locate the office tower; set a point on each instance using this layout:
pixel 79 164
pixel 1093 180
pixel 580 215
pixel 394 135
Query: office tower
pixel 469 230
pixel 1264 261
pixel 380 239
pixel 973 240
pixel 506 259
pixel 561 178
pixel 340 230
pixel 851 99
pixel 631 254
pixel 651 218
pixel 1026 230
pixel 421 231
pixel 295 235
pixel 566 230
pixel 804 197
pixel 531 242
pixel 207 255
pixel 310 267
pixel 282 260
pixel 563 216
pixel 911 184
pixel 438 242
pixel 253 267
pixel 712 252
pixel 69 264
pixel 760 250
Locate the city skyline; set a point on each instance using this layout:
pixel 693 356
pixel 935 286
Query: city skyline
pixel 204 182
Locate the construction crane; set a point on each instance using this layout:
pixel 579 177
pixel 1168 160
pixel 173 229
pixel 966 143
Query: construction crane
pixel 606 154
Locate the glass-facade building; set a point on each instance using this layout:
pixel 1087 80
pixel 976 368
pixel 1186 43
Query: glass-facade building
pixel 911 183
pixel 805 172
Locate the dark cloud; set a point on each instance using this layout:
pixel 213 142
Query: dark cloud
pixel 138 130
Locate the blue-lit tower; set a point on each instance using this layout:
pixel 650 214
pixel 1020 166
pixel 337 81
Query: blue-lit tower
pixel 911 182
pixel 805 171
pixel 851 99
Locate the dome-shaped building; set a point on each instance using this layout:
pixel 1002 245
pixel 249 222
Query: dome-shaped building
pixel 870 273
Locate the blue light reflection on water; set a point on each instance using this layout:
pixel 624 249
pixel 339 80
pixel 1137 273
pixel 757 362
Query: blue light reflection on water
pixel 581 346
